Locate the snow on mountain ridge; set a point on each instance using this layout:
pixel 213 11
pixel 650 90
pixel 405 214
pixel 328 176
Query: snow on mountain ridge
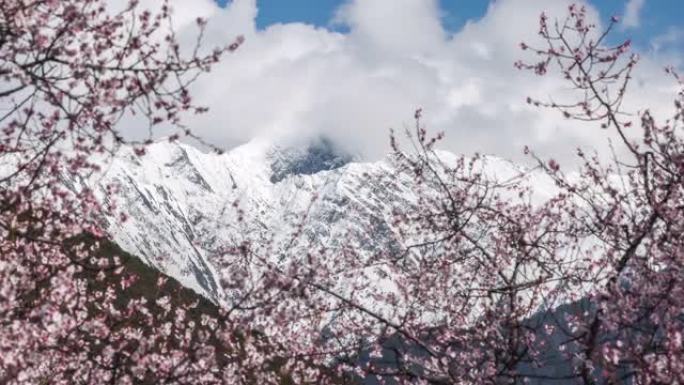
pixel 184 204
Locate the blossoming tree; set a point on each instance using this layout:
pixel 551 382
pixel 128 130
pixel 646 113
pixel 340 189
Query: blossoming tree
pixel 490 285
pixel 73 307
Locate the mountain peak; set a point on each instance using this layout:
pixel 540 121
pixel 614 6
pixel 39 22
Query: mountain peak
pixel 316 156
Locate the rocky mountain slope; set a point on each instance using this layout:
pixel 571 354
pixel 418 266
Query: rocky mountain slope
pixel 184 205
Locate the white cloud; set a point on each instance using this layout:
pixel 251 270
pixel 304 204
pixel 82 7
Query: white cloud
pixel 393 27
pixel 294 81
pixel 632 18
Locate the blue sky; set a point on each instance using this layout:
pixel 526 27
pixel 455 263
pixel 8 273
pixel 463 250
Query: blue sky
pixel 658 18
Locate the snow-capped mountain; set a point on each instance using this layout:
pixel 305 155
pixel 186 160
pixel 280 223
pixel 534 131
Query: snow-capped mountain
pixel 184 205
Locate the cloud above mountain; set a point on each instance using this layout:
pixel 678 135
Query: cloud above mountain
pixel 296 81
pixel 633 9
